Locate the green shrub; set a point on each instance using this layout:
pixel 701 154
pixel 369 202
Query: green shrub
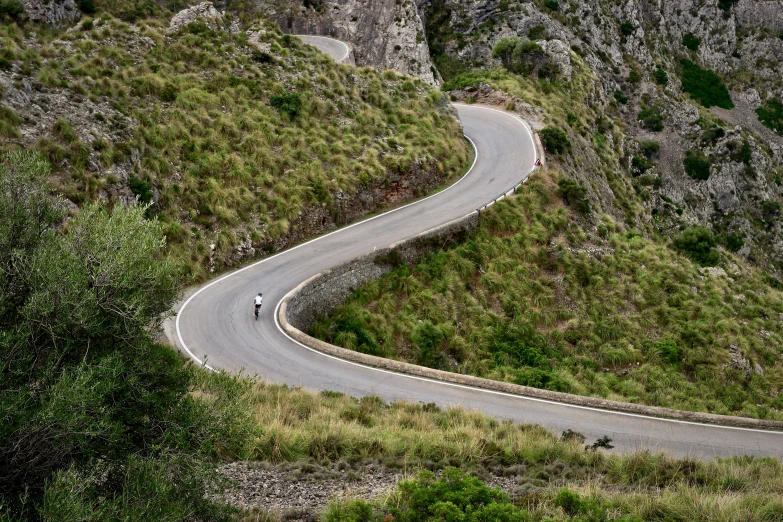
pixel 651 118
pixel 5 65
pixel 87 25
pixel 554 140
pixel 141 189
pixel 640 165
pixel 771 115
pixel 455 496
pixel 536 32
pixel 726 5
pixel 290 103
pixel 650 147
pixel 11 8
pixel 87 6
pixel 660 76
pixel 520 56
pixel 712 134
pixel 698 243
pixel 574 194
pixel 669 351
pixel 627 28
pixel 552 5
pixel 705 86
pixel 734 242
pixel 697 165
pixel 690 41
pixel 620 97
pixel 770 212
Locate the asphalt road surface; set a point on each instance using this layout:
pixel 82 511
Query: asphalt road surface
pixel 338 50
pixel 215 324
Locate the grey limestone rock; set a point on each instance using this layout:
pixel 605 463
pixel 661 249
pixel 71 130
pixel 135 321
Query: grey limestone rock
pixel 52 12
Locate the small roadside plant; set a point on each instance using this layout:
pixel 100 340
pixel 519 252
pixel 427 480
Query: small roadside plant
pixel 690 41
pixel 704 86
pixel 771 115
pixel 699 244
pixel 697 165
pixel 554 140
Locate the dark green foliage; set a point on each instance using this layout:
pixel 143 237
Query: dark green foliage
pixel 634 75
pixel 11 8
pixel 87 25
pixel 705 86
pixel 97 419
pixel 290 103
pixel 455 496
pixel 620 97
pixel 426 338
pixel 261 56
pixel 627 28
pixel 169 93
pixel 5 65
pixel 660 76
pixel 690 41
pixel 770 212
pixel 141 189
pixel 536 32
pixel 726 5
pixel 554 140
pixel 771 115
pixel 651 118
pixel 699 244
pixel 87 6
pixel 697 165
pixel 649 147
pixel 741 153
pixel 586 509
pixel 640 165
pixel 668 351
pixel 552 5
pixel 712 134
pixel 520 56
pixel 574 194
pixel 734 242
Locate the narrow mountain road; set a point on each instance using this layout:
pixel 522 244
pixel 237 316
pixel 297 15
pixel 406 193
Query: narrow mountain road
pixel 215 323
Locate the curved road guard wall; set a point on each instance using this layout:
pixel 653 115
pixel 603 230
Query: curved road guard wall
pixel 323 293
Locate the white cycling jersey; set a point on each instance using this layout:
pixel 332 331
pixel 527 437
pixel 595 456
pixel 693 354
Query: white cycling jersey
pixel 259 300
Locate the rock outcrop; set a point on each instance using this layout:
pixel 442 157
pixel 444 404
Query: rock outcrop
pixel 52 12
pixel 386 34
pixel 203 12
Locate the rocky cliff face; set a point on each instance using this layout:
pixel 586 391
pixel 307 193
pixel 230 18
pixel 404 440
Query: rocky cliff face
pixel 623 44
pixel 386 34
pixel 52 12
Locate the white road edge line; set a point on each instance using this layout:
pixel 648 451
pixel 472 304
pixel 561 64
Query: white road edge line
pixel 493 392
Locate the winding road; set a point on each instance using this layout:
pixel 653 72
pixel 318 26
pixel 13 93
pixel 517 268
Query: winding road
pixel 214 324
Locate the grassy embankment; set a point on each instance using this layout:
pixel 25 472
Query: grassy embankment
pixel 532 299
pixel 232 139
pixel 297 426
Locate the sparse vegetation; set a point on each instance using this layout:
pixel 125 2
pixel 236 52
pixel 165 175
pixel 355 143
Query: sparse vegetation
pixel 651 118
pixel 771 115
pixel 697 165
pixel 690 41
pixel 554 140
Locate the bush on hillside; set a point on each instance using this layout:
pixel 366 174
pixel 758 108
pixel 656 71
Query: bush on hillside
pixel 699 244
pixel 627 28
pixel 520 56
pixel 690 41
pixel 552 5
pixel 141 189
pixel 697 165
pixel 290 104
pixel 771 115
pixel 651 118
pixel 96 417
pixel 704 86
pixel 574 194
pixel 620 97
pixel 554 140
pixel 11 8
pixel 660 76
pixel 770 212
pixel 650 147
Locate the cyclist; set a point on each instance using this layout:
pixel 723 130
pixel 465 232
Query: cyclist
pixel 257 304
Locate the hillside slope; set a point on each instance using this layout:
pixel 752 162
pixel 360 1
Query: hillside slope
pixel 242 139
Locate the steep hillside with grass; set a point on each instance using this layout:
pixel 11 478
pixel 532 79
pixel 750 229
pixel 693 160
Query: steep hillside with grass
pixel 533 299
pixel 243 140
